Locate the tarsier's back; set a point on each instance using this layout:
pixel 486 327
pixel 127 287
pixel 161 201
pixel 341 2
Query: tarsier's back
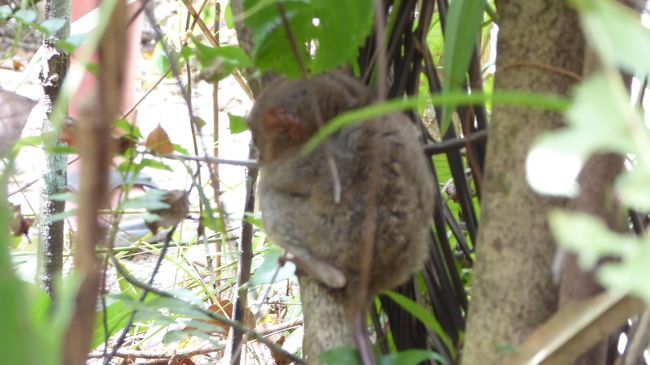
pixel 297 195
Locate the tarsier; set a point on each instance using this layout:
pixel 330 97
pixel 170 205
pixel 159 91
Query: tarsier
pixel 325 233
pixel 296 192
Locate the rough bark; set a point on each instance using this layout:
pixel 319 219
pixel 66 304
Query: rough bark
pixel 513 290
pixel 54 69
pixel 326 321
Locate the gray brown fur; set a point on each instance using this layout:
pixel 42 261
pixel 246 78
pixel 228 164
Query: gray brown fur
pixel 296 193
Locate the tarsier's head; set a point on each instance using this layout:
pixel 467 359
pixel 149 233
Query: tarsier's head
pixel 284 114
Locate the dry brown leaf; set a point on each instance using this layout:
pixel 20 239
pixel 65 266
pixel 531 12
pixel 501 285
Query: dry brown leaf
pixel 158 142
pixel 182 361
pixel 179 205
pixel 19 224
pixel 278 358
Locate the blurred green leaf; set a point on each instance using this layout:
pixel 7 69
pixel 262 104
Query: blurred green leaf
pixel 127 127
pixel 26 16
pixel 160 56
pixel 633 188
pixel 237 124
pixel 270 270
pixel 63 197
pixel 227 16
pixel 590 237
pixel 616 33
pixel 340 356
pixel 595 120
pixel 150 200
pixel 73 42
pixel 410 357
pixel 5 12
pixel 155 164
pixel 533 100
pixel 464 19
pixel 53 25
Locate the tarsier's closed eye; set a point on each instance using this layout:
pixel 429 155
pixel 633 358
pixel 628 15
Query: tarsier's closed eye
pixel 277 120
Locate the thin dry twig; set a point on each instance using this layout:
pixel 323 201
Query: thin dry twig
pixel 542 66
pixel 156 355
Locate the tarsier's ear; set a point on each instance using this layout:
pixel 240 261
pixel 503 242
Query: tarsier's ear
pixel 277 120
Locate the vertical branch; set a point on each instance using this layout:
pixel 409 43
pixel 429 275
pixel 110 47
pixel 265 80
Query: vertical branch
pixel 215 146
pixel 245 261
pixel 94 150
pixel 53 71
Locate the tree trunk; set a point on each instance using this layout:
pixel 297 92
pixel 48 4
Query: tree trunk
pixel 513 291
pixel 326 322
pixel 54 69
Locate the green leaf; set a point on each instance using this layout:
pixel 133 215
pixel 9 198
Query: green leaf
pixel 219 62
pixel 117 317
pixel 227 16
pixel 590 237
pixel 339 34
pixel 53 25
pixel 127 127
pixel 237 124
pixel 160 55
pixel 595 120
pixel 5 12
pixel 64 197
pixel 548 102
pixel 272 50
pixel 633 188
pixel 464 19
pixel 340 356
pixel 150 200
pixel 71 43
pixel 61 216
pixel 155 164
pixel 26 16
pixel 617 35
pixel 424 316
pixel 410 357
pixel 270 270
pixel 17 332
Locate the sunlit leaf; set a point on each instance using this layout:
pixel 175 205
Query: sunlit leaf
pixel 342 28
pixel 237 124
pixel 617 35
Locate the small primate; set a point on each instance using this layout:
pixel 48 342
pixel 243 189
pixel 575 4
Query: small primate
pixel 296 191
